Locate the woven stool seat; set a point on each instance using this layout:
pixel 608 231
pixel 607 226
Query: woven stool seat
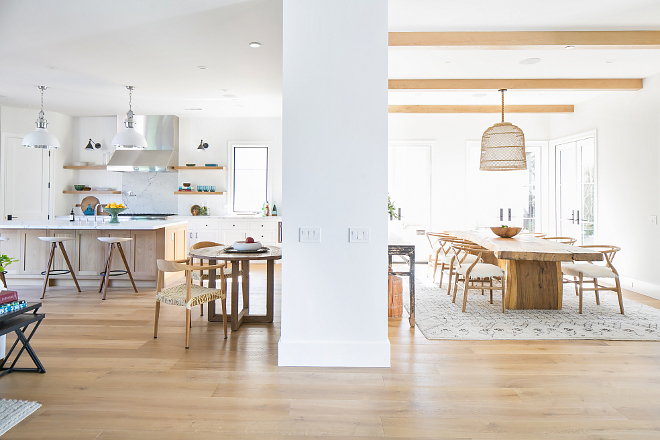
pixel 176 295
pixel 55 239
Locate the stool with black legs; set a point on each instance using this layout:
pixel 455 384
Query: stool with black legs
pixel 108 272
pixel 55 241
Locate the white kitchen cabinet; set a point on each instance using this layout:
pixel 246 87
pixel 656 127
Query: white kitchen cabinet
pixel 204 229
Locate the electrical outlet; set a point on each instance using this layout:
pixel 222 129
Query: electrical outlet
pixel 310 235
pixel 358 235
pixel 654 219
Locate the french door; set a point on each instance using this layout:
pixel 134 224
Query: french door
pixel 409 187
pixel 575 164
pixel 25 180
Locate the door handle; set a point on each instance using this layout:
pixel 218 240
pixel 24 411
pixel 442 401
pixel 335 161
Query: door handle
pixel 578 217
pixel 501 214
pixel 572 219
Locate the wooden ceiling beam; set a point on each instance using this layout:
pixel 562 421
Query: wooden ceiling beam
pixel 512 84
pixel 526 40
pixel 480 109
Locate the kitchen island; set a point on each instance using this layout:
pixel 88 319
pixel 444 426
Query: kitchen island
pixel 152 239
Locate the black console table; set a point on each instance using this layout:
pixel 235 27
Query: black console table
pixel 408 252
pixel 18 322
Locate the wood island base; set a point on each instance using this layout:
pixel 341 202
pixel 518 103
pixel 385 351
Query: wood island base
pixel 532 284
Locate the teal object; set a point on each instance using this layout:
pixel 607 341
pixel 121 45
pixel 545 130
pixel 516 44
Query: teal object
pixel 113 213
pixel 89 210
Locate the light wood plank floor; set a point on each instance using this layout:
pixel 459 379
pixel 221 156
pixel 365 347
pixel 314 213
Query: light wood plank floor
pixel 107 378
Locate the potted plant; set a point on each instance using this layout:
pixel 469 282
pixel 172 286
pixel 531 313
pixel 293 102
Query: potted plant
pixel 6 261
pixel 391 209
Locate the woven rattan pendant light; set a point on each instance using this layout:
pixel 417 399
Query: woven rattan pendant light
pixel 503 147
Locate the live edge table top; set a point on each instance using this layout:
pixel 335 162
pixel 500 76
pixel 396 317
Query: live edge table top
pixel 218 253
pixel 528 247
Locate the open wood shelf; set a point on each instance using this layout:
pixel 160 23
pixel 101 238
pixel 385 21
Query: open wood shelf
pixel 198 168
pixel 91 192
pixel 198 193
pixel 85 167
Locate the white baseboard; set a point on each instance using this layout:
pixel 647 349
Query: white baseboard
pixel 333 354
pixel 642 287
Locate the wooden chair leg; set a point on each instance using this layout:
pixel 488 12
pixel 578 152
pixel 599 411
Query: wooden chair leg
pixel 128 269
pixel 187 328
pixel 224 315
pixel 68 263
pixel 596 291
pixel 451 271
pixel 442 274
pixel 491 290
pixel 156 319
pixel 50 263
pixel 575 281
pixel 435 268
pixel 107 262
pixel 580 292
pixel 453 299
pixel 107 273
pixel 618 292
pixel 201 310
pixel 466 285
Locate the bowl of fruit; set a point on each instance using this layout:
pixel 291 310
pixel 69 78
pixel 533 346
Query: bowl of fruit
pixel 248 245
pixel 114 209
pixel 505 231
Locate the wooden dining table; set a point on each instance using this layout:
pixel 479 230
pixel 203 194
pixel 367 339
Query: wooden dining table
pixel 532 266
pixel 236 317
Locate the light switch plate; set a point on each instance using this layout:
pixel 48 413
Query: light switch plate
pixel 358 235
pixel 309 235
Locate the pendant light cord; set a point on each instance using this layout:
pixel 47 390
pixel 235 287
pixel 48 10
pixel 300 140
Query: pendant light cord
pixel 130 97
pixel 502 90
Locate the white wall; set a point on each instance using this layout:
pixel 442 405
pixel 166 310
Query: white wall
pixel 334 307
pixel 450 133
pixel 20 120
pixel 628 154
pixel 218 133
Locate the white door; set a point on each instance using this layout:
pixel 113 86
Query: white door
pixel 25 180
pixel 409 187
pixel 576 189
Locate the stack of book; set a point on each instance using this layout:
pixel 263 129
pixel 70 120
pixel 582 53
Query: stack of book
pixel 9 302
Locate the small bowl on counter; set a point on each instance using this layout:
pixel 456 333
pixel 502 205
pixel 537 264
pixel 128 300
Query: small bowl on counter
pixel 508 232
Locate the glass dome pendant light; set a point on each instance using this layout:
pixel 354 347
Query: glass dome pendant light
pixel 40 138
pixel 129 138
pixel 503 146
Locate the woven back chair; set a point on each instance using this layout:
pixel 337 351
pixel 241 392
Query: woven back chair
pixel 591 271
pixel 186 295
pixel 562 240
pixel 474 273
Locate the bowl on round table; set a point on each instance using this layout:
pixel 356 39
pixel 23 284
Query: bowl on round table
pixel 243 246
pixel 505 232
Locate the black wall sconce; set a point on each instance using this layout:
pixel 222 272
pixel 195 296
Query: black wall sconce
pixel 91 145
pixel 202 145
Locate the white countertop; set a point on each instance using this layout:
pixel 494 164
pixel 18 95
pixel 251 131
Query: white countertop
pixel 148 225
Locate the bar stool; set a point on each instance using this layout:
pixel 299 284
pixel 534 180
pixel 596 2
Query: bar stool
pixel 2 274
pixel 107 273
pixel 54 242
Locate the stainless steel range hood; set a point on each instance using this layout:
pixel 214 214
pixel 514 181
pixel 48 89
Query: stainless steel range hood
pixel 162 153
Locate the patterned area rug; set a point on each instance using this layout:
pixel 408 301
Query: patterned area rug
pixel 13 411
pixel 438 318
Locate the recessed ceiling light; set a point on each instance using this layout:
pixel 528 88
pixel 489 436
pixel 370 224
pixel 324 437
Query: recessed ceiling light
pixel 448 61
pixel 193 109
pixel 530 61
pixel 609 61
pixel 201 67
pixel 223 90
pixel 569 47
pixel 52 67
pixel 229 96
pixel 479 95
pixel 255 44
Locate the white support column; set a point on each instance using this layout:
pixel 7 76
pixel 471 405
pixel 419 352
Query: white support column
pixel 334 167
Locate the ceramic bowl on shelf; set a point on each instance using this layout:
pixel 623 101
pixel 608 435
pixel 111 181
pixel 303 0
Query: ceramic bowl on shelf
pixel 505 232
pixel 79 187
pixel 211 164
pixel 243 246
pixel 81 164
pixel 190 164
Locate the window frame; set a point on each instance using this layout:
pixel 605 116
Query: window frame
pixel 230 183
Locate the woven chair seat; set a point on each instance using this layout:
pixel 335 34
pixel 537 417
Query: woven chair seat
pixel 176 295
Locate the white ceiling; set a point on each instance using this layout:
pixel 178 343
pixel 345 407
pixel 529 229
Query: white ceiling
pixel 86 51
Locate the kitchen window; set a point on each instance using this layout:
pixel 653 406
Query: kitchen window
pixel 249 177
